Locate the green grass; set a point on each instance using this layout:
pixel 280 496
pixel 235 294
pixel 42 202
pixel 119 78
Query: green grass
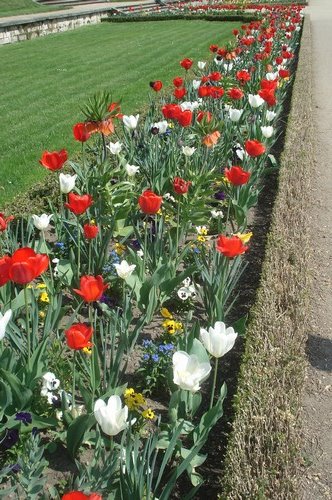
pixel 18 7
pixel 44 82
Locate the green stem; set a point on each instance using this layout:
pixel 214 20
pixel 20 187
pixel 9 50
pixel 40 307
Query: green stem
pixel 78 249
pixel 27 320
pixel 74 377
pixel 214 382
pixel 145 247
pixel 89 257
pixel 49 262
pixel 177 230
pixel 92 366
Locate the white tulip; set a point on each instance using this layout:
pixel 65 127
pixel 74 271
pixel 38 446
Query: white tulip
pixel 267 132
pixel 111 417
pixel 228 66
pixel 196 84
pixel 189 105
pixel 218 62
pixel 235 114
pixel 4 320
pixel 124 270
pixel 42 222
pixel 255 101
pixel 161 126
pixel 201 64
pixel 131 170
pixel 188 151
pixel 270 115
pixel 115 147
pixel 271 76
pixel 188 371
pixel 218 340
pixel 130 122
pixel 67 183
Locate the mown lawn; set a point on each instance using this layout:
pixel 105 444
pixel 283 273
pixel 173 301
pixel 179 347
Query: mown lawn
pixel 18 7
pixel 44 82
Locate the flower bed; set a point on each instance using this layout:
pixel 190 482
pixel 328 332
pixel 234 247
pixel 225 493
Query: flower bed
pixel 115 307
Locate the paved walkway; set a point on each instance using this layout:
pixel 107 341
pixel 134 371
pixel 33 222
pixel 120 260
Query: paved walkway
pixel 318 400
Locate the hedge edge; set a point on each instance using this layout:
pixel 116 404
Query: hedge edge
pixel 263 457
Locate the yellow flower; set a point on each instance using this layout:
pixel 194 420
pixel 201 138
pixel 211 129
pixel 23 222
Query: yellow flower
pixel 43 297
pixel 202 230
pixel 41 314
pixel 133 399
pixel 149 414
pixel 244 237
pixel 170 125
pixel 87 350
pixel 165 313
pixel 225 180
pixel 179 326
pixel 119 248
pixel 40 286
pixel 159 212
pixel 129 392
pixel 169 324
pixel 201 238
pixel 92 222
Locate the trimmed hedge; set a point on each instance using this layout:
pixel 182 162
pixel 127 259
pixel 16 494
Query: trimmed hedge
pixel 243 17
pixel 264 450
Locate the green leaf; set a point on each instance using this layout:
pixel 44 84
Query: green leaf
pixel 76 432
pixel 240 325
pixel 6 398
pixel 20 393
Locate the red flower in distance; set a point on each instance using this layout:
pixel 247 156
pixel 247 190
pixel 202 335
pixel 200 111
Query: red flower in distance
pixel 235 93
pixel 284 73
pixel 81 132
pixel 171 111
pixel 235 32
pixel 78 336
pixel 91 288
pixel 269 84
pixel 186 63
pixel 181 186
pixel 90 231
pixel 279 60
pixel 77 495
pixel 216 92
pixel 185 118
pixel 254 148
pixel 4 269
pixel 150 202
pixel 179 93
pixel 213 48
pixel 4 221
pixel 178 82
pixel 237 176
pixel 78 204
pixel 215 76
pixel 268 96
pixel 243 76
pixel 25 265
pixel 54 160
pixel 205 116
pixel 157 85
pixel 230 246
pixel 204 91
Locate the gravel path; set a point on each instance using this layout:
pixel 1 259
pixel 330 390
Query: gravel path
pixel 318 400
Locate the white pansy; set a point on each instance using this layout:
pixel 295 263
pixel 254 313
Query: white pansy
pixel 188 151
pixel 67 182
pixel 267 132
pixel 186 292
pixel 218 340
pixel 235 114
pixel 111 417
pixel 188 371
pixel 41 222
pixel 4 320
pixel 49 383
pixel 255 101
pixel 140 253
pixel 169 197
pixel 201 64
pixel 240 152
pixel 162 126
pixel 124 270
pixel 115 147
pixel 131 169
pixel 270 115
pixel 130 121
pixel 217 214
pixel 196 84
pixel 186 281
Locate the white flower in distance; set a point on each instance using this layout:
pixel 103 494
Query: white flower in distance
pixel 270 115
pixel 218 340
pixel 111 417
pixel 130 121
pixel 124 270
pixel 228 67
pixel 196 84
pixel 201 64
pixel 188 151
pixel 4 320
pixel 131 170
pixel 218 62
pixel 115 147
pixel 267 132
pixel 188 371
pixel 271 76
pixel 67 182
pixel 41 222
pixel 255 101
pixel 161 126
pixel 217 214
pixel 189 105
pixel 235 114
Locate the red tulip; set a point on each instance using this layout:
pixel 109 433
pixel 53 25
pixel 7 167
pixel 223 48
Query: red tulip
pixel 4 221
pixel 206 116
pixel 55 160
pixel 235 32
pixel 235 93
pixel 157 85
pixel 81 132
pixel 279 60
pixel 204 91
pixel 171 111
pixel 25 265
pixel 216 92
pixel 243 76
pixel 4 270
pixel 91 288
pixel 179 93
pixel 213 48
pixel 150 202
pixel 178 82
pixel 78 204
pixel 269 84
pixel 254 148
pixel 78 336
pixel 284 73
pixel 90 231
pixel 215 76
pixel 230 246
pixel 186 63
pixel 268 96
pixel 181 186
pixel 237 176
pixel 185 118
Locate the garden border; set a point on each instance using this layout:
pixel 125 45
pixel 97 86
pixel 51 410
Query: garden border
pixel 263 457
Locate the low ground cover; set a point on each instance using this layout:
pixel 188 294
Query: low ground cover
pixel 41 102
pixel 120 305
pixel 19 7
